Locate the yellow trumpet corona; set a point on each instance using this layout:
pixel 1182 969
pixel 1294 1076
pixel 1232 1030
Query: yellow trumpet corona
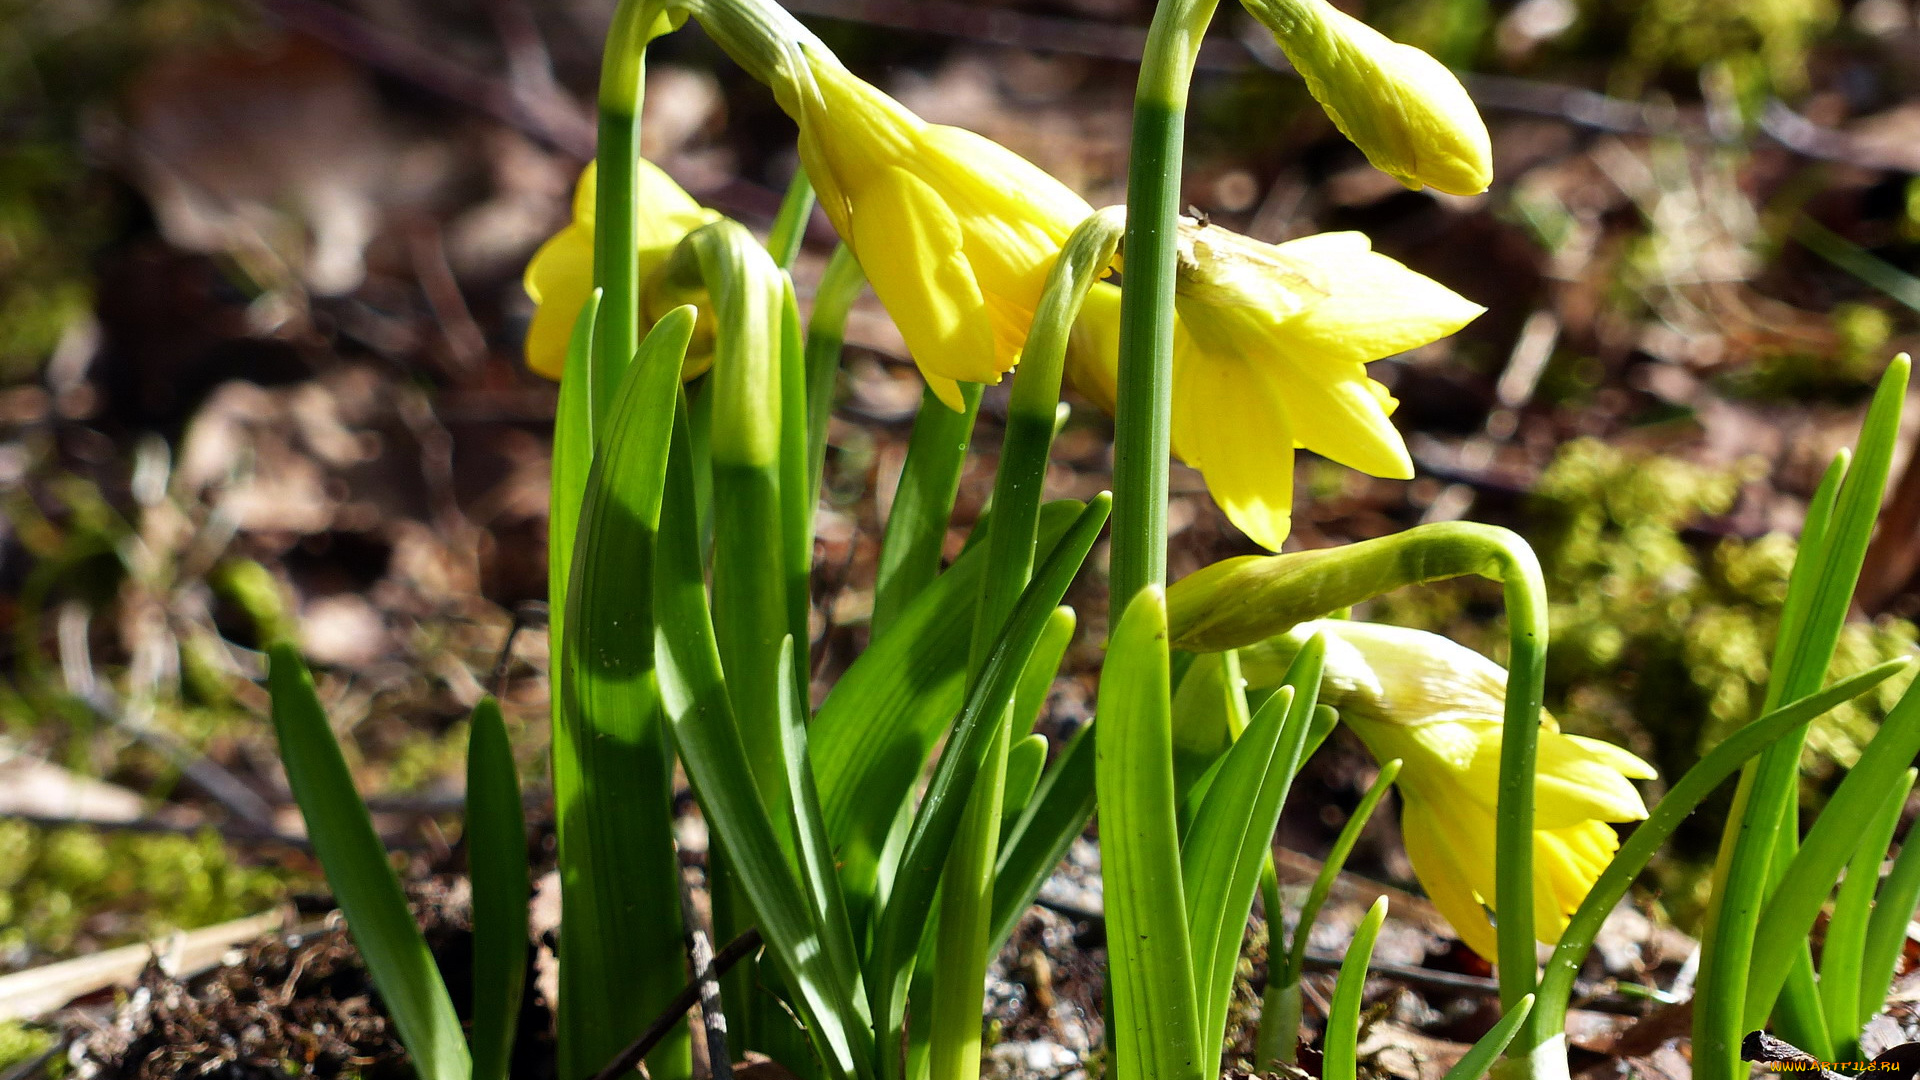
pixel 560 277
pixel 1270 351
pixel 1400 106
pixel 955 232
pixel 1437 705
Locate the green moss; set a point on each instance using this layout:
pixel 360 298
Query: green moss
pixel 67 889
pixel 20 1042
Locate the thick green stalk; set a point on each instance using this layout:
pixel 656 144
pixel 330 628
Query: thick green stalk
pixel 922 504
pixel 964 934
pixel 1144 406
pixel 616 251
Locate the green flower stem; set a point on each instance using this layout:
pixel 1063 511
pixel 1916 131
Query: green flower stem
pixel 1144 406
pixel 616 250
pixel 840 285
pixel 922 504
pixel 963 937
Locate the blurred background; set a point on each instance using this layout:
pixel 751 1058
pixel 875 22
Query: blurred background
pixel 261 314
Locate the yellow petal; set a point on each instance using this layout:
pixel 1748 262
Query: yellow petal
pixel 667 212
pixel 1093 350
pixel 1572 783
pixel 1375 305
pixel 1439 863
pixel 1566 863
pixel 1227 424
pixel 946 390
pixel 908 242
pixel 559 279
pixel 1335 413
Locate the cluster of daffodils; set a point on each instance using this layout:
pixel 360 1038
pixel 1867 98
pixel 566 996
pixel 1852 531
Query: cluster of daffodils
pixel 957 235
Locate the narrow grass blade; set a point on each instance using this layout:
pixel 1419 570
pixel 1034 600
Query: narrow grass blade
pixel 573 444
pixel 816 867
pixel 1487 1049
pixel 879 725
pixel 1830 844
pixel 698 706
pixel 1296 955
pixel 1858 261
pixel 1843 951
pixel 362 880
pixel 1556 982
pixel 1155 1030
pixel 1339 1049
pixel 922 504
pixel 1036 682
pixel 496 842
pixel 1760 836
pixel 1223 849
pixel 799 486
pixel 790 223
pixel 840 285
pixel 1893 909
pixel 1232 835
pixel 1057 812
pixel 621 959
pixel 897 932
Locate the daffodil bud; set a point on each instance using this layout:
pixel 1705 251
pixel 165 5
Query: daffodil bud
pixel 1437 706
pixel 1239 602
pixel 1403 108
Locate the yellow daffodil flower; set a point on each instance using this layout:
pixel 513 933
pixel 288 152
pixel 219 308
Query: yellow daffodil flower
pixel 1401 107
pixel 560 277
pixel 1270 351
pixel 1437 706
pixel 955 232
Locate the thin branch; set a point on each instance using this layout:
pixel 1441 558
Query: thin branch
pixel 737 950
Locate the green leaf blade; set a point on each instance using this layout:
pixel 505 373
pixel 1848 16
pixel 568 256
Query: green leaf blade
pixel 1155 1030
pixel 362 880
pixel 496 842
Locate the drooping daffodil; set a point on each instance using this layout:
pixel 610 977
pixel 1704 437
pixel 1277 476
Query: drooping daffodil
pixel 1271 344
pixel 1437 706
pixel 560 277
pixel 955 232
pixel 1400 106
